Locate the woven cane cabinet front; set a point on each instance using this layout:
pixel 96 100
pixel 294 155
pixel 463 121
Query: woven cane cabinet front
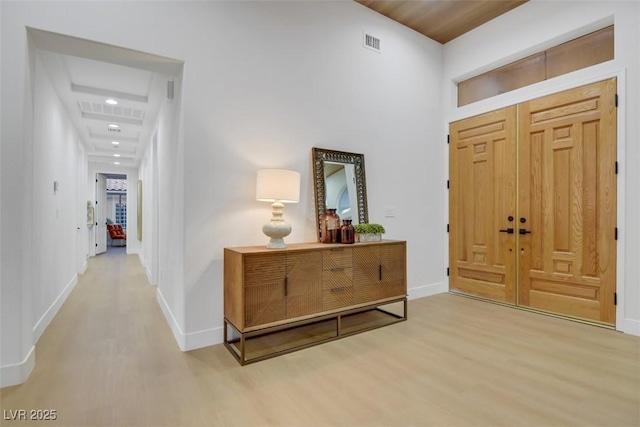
pixel 280 300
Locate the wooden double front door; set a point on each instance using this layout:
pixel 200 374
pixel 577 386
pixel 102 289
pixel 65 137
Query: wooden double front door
pixel 532 204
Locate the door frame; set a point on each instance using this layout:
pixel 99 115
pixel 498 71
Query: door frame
pixel 550 87
pixel 99 229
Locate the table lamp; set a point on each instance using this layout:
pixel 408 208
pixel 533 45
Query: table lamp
pixel 278 186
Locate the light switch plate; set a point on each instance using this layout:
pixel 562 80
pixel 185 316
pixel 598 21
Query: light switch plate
pixel 389 211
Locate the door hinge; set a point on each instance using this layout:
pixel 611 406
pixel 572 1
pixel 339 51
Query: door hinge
pixel 447 228
pixel 616 233
pixel 447 139
pixel 447 271
pixel 96 245
pixel 615 298
pixel 96 179
pixel 447 183
pixel 616 100
pixel 616 167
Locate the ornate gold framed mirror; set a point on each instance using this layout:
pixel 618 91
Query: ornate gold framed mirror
pixel 339 183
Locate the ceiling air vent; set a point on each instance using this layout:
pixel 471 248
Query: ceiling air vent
pixel 113 130
pixel 371 42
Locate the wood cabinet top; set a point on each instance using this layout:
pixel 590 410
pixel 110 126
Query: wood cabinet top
pixel 306 247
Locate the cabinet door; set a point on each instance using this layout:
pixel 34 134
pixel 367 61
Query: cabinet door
pixel 392 268
pixel 264 282
pixel 304 283
pixel 366 274
pixel 379 272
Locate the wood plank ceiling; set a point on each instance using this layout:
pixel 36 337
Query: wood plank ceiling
pixel 442 20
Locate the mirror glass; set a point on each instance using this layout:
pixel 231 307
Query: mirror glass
pixel 340 184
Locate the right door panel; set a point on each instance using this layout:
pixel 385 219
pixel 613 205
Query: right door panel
pixel 567 195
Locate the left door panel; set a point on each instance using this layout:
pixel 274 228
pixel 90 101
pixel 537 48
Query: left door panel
pixel 482 210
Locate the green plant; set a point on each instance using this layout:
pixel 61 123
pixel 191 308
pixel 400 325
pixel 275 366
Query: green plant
pixel 368 229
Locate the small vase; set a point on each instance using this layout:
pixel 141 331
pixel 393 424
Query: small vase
pixel 347 233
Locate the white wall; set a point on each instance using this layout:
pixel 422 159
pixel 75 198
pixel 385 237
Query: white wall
pixel 145 174
pixel 55 220
pixel 17 356
pixel 538 25
pixel 47 255
pixel 111 207
pixel 163 215
pixel 263 83
pixel 82 196
pixel 275 79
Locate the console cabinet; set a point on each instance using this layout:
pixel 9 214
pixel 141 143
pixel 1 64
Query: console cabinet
pixel 281 300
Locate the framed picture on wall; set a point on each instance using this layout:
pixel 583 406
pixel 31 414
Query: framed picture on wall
pixel 90 214
pixel 140 210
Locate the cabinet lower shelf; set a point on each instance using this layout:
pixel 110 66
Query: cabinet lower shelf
pixel 249 347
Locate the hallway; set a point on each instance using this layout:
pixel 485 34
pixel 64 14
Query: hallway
pixel 109 358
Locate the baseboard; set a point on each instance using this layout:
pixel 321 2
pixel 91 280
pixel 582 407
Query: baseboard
pixel 205 338
pixel 428 290
pixel 148 273
pixel 631 327
pixel 192 340
pixel 51 312
pixel 171 320
pixel 84 267
pixel 18 373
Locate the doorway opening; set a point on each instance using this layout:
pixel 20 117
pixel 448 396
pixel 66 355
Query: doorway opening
pixel 116 208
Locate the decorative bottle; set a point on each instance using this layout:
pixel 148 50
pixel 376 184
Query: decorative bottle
pixel 330 227
pixel 334 227
pixel 347 232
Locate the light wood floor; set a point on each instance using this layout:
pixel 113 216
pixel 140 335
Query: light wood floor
pixel 109 358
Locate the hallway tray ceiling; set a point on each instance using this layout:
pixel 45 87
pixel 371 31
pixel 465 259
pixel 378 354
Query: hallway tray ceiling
pixel 113 95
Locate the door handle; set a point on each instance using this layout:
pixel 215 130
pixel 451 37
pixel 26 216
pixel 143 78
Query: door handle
pixel 524 231
pixel 508 231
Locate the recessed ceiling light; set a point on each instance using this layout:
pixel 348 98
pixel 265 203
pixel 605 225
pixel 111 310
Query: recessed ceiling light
pixel 113 125
pixel 115 142
pixel 111 101
pixel 116 163
pixel 116 155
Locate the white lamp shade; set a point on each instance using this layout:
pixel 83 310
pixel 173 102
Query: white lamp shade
pixel 278 184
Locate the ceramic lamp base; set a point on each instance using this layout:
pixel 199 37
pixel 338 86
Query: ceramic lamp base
pixel 277 229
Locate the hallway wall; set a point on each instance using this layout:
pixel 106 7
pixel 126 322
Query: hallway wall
pixel 48 254
pixel 55 223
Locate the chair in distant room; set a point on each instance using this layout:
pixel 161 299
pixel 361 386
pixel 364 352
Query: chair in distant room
pixel 117 235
